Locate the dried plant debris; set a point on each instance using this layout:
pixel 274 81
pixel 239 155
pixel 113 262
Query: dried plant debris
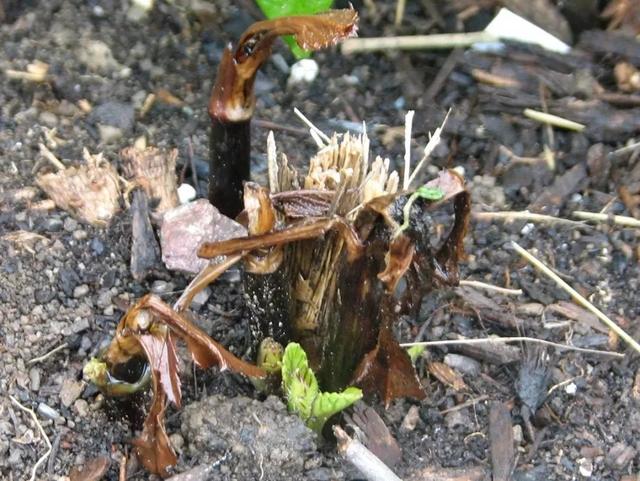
pixel 357 246
pixel 90 192
pixel 148 331
pixel 155 171
pixel 623 15
pixel 145 251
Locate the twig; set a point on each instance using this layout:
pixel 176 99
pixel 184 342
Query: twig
pixel 44 457
pixel 400 6
pixel 431 145
pixel 408 124
pixel 415 42
pixel 465 404
pixel 622 220
pixel 554 120
pixel 525 215
pixel 357 454
pixel 47 154
pixel 499 340
pixel 312 127
pixel 35 360
pixel 489 78
pixel 623 150
pixel 443 74
pixel 577 296
pixel 491 287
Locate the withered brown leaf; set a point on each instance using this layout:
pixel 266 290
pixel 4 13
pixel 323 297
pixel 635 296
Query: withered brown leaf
pixel 387 371
pixel 161 354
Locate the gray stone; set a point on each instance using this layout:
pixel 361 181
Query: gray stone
pixel 48 412
pixel 114 114
pixel 70 224
pixel 34 378
pixel 186 227
pixel 53 224
pixel 200 299
pixel 80 291
pixel 464 364
pixel 70 391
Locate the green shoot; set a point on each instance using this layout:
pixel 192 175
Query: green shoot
pixel 285 8
pixel 303 395
pixel 432 194
pixel 415 352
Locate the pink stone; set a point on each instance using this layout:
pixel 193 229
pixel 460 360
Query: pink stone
pixel 187 226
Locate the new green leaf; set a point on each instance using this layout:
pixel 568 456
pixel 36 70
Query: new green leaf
pixel 303 395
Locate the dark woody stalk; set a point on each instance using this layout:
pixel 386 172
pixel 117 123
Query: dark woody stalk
pixel 232 99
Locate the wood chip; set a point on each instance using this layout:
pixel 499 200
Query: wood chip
pixel 501 437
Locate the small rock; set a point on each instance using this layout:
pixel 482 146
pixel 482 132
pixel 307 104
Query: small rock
pixel 585 466
pixel 53 224
pixel 48 118
pixel 464 364
pixel 162 287
pixel 97 56
pixel 620 455
pixel 81 407
pixel 187 226
pixel 43 296
pixel 68 280
pixel 303 71
pixel 457 418
pixel 109 134
pixel 518 436
pixel 411 419
pixel 186 193
pixel 80 291
pixel 104 298
pixel 97 246
pixel 34 378
pixel 114 114
pixel 48 412
pixel 70 391
pixel 177 441
pixel 85 343
pixel 70 224
pixel 79 325
pixel 80 235
pixel 200 299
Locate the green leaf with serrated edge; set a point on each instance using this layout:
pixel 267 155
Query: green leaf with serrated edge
pixel 298 381
pixel 415 352
pixel 283 8
pixel 329 403
pixel 430 193
pixel 303 395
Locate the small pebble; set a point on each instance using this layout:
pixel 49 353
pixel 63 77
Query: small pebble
pixel 70 391
pixel 53 224
pixel 80 291
pixel 186 193
pixel 48 118
pixel 80 234
pixel 201 298
pixel 517 434
pixel 109 134
pixel 48 412
pixel 585 466
pixel 34 377
pixel 464 364
pixel 70 224
pixel 177 441
pixel 303 72
pixel 81 407
pixel 97 246
pixel 162 287
pixel 411 419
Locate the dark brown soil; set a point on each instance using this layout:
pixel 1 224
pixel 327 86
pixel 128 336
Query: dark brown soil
pixel 69 286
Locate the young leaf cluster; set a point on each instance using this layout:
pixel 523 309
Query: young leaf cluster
pixel 303 395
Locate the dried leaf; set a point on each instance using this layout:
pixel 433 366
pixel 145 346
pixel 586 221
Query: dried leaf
pixel 398 260
pixel 446 375
pixel 155 171
pixel 152 446
pixel 161 353
pixel 260 213
pixel 623 14
pixel 387 371
pixel 91 192
pixel 93 470
pixel 205 351
pixel 302 204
